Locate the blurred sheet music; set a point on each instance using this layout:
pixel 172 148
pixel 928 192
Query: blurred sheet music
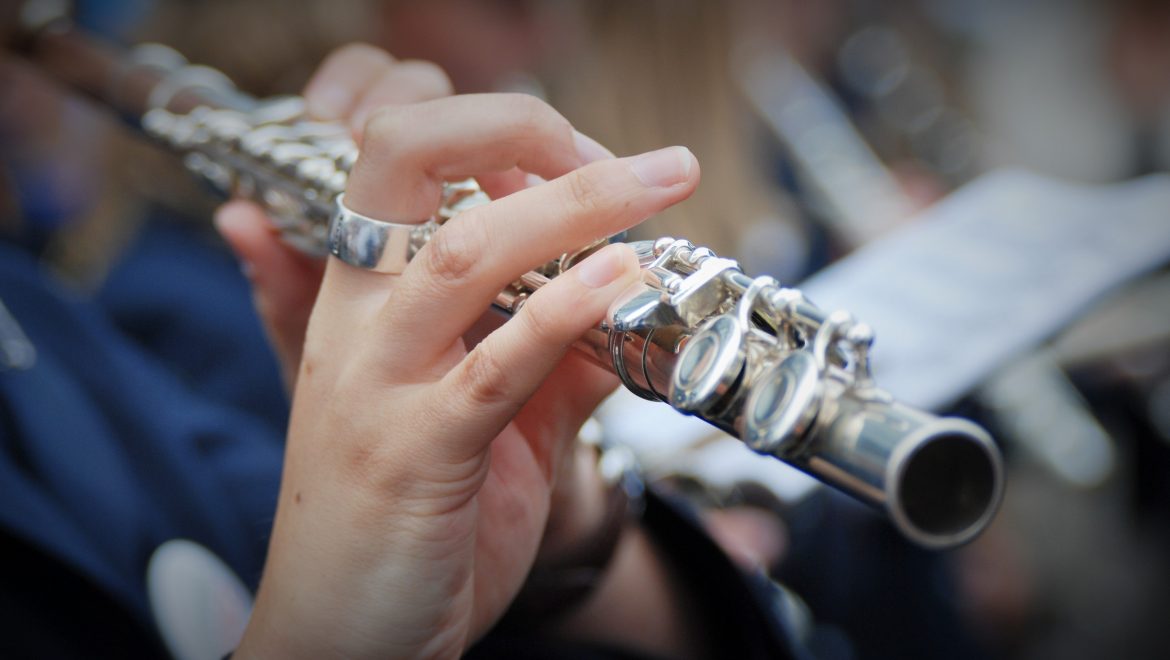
pixel 992 271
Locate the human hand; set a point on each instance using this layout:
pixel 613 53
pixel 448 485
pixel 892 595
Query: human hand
pixel 419 473
pixel 353 82
pixel 350 84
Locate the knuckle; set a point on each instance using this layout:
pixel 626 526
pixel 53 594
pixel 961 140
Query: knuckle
pixel 353 53
pixel 534 115
pixel 379 148
pixel 582 193
pixel 485 377
pixel 370 464
pixel 430 78
pixel 384 126
pixel 537 320
pixel 451 255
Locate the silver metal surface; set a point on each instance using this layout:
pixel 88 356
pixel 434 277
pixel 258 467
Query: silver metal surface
pixel 781 409
pixel 934 477
pixel 805 394
pixel 383 247
pixel 709 365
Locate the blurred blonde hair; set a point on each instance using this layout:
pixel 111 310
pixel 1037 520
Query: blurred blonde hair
pixel 655 73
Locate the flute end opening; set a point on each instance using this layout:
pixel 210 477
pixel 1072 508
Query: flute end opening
pixel 949 488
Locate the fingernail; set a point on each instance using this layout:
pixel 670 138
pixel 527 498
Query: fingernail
pixel 224 220
pixel 603 267
pixel 589 149
pixel 328 101
pixel 663 168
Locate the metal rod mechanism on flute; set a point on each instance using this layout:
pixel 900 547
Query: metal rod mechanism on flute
pixel 750 356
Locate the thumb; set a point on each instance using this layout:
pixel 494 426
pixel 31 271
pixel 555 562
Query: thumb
pixel 284 282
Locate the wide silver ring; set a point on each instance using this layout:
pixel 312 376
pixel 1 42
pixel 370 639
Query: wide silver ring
pixel 383 247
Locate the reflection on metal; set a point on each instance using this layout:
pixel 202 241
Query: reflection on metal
pixel 1042 412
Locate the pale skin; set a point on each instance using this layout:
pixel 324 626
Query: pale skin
pixel 423 477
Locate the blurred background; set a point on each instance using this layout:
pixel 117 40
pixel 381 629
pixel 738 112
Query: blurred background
pixel 985 183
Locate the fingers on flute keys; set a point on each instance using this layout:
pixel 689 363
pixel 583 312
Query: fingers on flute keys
pixel 496 379
pixel 479 252
pixel 408 151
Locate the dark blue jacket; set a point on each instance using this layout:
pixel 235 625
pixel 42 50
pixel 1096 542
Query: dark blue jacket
pixel 153 411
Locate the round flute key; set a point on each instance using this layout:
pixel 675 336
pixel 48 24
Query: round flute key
pixel 783 404
pixel 708 365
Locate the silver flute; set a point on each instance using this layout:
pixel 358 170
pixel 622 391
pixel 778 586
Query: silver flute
pixel 748 355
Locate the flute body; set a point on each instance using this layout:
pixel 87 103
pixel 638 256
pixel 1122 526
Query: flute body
pixel 748 355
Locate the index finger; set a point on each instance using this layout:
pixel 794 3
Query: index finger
pixel 480 251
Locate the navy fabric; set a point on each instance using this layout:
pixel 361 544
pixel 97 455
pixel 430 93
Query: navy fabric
pixel 181 296
pixel 127 432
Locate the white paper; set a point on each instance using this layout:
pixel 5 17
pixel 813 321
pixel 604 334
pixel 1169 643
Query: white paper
pixel 992 271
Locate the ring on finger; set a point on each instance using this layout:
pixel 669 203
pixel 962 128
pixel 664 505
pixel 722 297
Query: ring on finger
pixel 376 245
